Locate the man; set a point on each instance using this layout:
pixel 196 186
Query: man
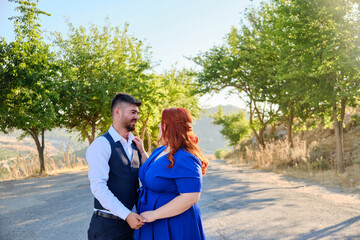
pixel 114 162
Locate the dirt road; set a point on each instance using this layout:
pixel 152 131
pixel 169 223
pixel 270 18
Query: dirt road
pixel 236 203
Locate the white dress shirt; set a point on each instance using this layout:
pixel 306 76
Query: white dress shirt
pixel 97 156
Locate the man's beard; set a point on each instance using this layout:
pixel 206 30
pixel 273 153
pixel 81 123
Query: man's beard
pixel 131 126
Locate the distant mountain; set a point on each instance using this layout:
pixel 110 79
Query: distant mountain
pixel 209 135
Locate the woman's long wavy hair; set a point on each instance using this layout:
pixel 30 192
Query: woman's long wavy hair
pixel 177 133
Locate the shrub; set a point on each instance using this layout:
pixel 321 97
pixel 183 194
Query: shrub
pixel 220 153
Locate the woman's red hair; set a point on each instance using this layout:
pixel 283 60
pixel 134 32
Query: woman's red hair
pixel 177 133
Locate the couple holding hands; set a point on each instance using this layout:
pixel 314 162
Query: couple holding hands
pixel 165 206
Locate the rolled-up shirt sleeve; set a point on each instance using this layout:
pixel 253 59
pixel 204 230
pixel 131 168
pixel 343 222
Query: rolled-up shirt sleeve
pixel 97 156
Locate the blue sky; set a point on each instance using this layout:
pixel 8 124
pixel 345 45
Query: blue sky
pixel 173 29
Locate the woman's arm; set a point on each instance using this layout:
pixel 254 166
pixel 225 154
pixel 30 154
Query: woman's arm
pixel 140 145
pixel 175 207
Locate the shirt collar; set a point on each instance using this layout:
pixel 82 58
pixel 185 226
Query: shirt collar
pixel 117 137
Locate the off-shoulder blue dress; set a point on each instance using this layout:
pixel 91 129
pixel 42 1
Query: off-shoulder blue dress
pixel 160 185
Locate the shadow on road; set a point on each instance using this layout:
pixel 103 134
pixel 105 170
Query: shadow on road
pixel 223 190
pixel 57 207
pixel 329 231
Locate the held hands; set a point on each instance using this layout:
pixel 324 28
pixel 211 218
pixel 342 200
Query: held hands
pixel 149 216
pixel 139 144
pixel 135 221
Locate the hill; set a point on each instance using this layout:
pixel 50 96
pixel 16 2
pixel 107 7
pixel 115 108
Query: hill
pixel 58 140
pixel 209 135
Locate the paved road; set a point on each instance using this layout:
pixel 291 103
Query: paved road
pixel 236 203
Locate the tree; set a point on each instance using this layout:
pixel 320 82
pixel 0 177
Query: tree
pixel 235 127
pixel 240 64
pixel 302 57
pixel 97 63
pixel 27 73
pixel 323 59
pixel 275 29
pixel 173 88
pixel 337 64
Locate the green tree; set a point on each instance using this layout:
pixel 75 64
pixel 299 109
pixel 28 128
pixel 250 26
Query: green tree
pixel 301 57
pixel 172 88
pixel 234 127
pixel 240 64
pixel 96 63
pixel 336 62
pixel 27 73
pixel 275 28
pixel 320 62
pixel 99 62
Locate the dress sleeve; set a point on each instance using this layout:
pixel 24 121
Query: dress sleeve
pixel 188 173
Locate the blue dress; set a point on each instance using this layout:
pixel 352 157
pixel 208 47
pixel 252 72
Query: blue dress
pixel 160 185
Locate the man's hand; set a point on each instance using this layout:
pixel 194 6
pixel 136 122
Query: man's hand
pixel 135 221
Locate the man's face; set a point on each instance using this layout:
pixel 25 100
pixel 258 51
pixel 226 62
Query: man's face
pixel 129 116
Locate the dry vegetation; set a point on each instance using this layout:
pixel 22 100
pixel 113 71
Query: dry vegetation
pixel 26 166
pixel 311 157
pixel 19 158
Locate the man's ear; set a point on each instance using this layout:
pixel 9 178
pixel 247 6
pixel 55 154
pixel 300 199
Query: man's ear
pixel 117 112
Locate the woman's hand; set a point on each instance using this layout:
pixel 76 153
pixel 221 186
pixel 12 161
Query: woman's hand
pixel 139 144
pixel 149 216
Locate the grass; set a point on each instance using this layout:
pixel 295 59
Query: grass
pixel 304 160
pixel 27 166
pixel 6 153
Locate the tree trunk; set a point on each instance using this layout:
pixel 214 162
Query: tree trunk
pixel 40 147
pixel 83 129
pixel 272 132
pixel 338 127
pixel 256 135
pixel 261 137
pixel 302 135
pixel 144 127
pixel 260 116
pixel 289 127
pixel 148 142
pixel 93 131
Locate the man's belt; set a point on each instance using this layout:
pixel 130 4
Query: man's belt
pixel 107 215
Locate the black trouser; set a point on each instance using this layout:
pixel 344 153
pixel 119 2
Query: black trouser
pixel 109 229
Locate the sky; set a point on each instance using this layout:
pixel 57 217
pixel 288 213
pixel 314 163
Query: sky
pixel 173 29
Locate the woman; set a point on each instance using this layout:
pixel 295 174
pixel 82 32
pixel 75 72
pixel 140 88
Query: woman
pixel 171 182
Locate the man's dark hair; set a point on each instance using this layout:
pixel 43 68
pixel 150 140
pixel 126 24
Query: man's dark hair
pixel 124 98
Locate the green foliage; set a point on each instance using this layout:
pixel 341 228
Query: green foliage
pixel 173 88
pixel 235 127
pixel 96 63
pixel 27 78
pixel 294 61
pixel 356 119
pixel 242 64
pixel 209 135
pixel 320 165
pixel 221 153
